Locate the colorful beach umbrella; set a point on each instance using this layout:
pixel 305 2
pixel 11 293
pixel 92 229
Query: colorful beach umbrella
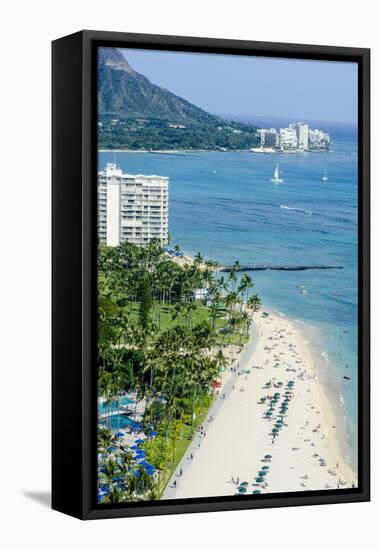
pixel 242 489
pixel 256 492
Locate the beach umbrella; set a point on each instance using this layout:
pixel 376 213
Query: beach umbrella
pixel 135 448
pixel 263 473
pixel 242 489
pixel 275 430
pixel 112 448
pixel 268 456
pixel 260 480
pixel 256 492
pixel 153 434
pixel 119 434
pixel 244 483
pixel 139 441
pixel 265 467
pixel 276 394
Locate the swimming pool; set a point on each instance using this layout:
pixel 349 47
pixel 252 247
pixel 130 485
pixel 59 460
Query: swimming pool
pixel 104 407
pixel 117 422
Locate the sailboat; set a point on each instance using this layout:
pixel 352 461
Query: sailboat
pixel 325 176
pixel 276 178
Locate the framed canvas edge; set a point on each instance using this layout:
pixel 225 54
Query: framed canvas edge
pixel 90 40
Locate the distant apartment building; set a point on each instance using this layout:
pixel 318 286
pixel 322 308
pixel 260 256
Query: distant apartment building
pixel 318 140
pixel 298 136
pixel 302 132
pixel 131 208
pixel 268 137
pixel 288 139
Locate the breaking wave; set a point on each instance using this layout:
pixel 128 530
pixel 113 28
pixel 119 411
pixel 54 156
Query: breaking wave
pixel 296 209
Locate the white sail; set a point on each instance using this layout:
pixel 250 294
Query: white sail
pixel 276 177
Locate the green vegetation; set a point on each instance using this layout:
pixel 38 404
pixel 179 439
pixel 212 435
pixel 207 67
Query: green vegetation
pixel 160 344
pixel 155 134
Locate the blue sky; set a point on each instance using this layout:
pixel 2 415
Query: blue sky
pixel 255 86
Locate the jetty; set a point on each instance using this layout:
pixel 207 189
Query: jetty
pixel 257 267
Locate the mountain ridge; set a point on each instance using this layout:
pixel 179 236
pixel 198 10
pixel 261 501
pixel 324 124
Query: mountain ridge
pixel 135 113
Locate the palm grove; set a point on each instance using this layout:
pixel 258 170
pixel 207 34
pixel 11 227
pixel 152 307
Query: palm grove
pixel 163 347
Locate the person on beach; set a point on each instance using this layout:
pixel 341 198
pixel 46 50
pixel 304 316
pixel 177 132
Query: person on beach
pixel 174 484
pixel 180 472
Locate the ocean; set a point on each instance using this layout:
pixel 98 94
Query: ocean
pixel 224 205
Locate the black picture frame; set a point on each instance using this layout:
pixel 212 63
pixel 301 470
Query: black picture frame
pixel 74 133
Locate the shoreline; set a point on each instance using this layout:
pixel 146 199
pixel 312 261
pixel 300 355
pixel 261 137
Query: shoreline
pixel 173 151
pixel 331 385
pixel 308 453
pixel 329 381
pixel 187 151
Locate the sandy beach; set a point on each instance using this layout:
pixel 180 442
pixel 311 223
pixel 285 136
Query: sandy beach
pixel 306 452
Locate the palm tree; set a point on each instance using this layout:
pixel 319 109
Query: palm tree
pixel 213 311
pixel 246 283
pixel 109 471
pixel 246 322
pixel 198 259
pixel 254 303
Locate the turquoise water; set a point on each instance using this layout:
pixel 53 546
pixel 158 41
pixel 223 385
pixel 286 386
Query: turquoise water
pixel 105 408
pixel 224 205
pixel 118 422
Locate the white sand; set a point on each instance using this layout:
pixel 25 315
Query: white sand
pixel 239 436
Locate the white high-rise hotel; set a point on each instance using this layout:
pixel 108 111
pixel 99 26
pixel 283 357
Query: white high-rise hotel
pixel 131 208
